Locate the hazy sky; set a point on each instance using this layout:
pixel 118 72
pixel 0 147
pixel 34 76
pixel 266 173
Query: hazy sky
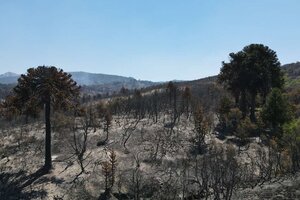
pixel 146 39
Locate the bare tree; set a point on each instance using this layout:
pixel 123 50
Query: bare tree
pixel 79 143
pixel 128 128
pixel 109 171
pixel 136 178
pixel 202 125
pixel 107 123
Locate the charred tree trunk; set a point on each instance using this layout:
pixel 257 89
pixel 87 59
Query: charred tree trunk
pixel 252 108
pixel 243 104
pixel 48 161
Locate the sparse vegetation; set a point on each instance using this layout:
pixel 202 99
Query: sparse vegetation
pixel 179 140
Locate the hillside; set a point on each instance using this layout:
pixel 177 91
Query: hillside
pixel 292 75
pixel 166 145
pixel 88 79
pixel 82 78
pixel 5 90
pixel 154 162
pixel 292 69
pixel 9 78
pixel 92 83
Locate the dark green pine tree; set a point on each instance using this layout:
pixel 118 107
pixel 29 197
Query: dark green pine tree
pixel 253 71
pixel 44 87
pixel 276 112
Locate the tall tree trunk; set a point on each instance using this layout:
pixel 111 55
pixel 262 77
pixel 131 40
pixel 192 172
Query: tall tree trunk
pixel 243 104
pixel 48 162
pixel 252 108
pixel 236 95
pixel 175 107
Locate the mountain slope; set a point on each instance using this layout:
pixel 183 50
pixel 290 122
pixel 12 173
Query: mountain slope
pixel 292 79
pixel 85 78
pixel 9 78
pixel 91 83
pixel 292 70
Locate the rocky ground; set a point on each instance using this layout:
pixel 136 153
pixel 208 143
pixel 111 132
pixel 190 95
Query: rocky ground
pixel 287 187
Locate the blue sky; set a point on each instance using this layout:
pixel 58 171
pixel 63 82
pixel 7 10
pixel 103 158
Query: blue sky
pixel 155 40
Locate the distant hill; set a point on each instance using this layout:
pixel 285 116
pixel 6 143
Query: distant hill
pixel 102 83
pixel 9 78
pixel 83 78
pixel 92 83
pixel 292 70
pixel 292 76
pixel 5 89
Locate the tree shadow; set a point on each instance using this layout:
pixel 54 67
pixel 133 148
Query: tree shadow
pixel 34 176
pixel 18 185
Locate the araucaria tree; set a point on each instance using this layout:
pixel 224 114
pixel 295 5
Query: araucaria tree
pixel 251 72
pixel 44 87
pixel 276 112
